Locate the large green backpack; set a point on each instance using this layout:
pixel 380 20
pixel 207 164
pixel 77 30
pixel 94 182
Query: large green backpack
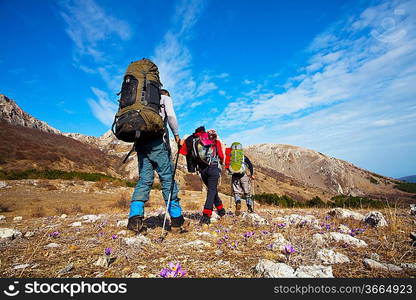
pixel 139 104
pixel 237 158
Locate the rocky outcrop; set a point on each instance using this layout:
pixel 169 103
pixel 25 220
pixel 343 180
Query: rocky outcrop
pixel 11 113
pixel 375 219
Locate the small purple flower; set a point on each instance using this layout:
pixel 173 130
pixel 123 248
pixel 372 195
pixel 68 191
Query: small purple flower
pixel 328 226
pixel 108 251
pixel 173 271
pixel 233 245
pixel 100 234
pixel 217 230
pixel 269 246
pixel 248 234
pixel 220 242
pixel 226 237
pixel 54 234
pixel 114 236
pixel 327 217
pixel 281 225
pixel 303 222
pixel 265 232
pixel 289 250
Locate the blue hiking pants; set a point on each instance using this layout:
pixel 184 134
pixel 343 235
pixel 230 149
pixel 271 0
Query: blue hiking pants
pixel 153 155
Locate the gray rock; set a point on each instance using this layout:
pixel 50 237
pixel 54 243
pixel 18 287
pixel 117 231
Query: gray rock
pixel 29 234
pixel 3 184
pixel 331 257
pixel 68 268
pixel 253 219
pixel 17 219
pixel 375 265
pixel 197 244
pixel 342 213
pixel 90 218
pixel 76 224
pixel 409 266
pixel 52 245
pixel 204 233
pixel 279 243
pixel 375 219
pixel 268 269
pixel 122 223
pixel 393 268
pixel 373 256
pixel 413 209
pixel 23 266
pixel 138 241
pixel 9 233
pixel 122 232
pixel 315 271
pixel 219 252
pixel 63 216
pixel 345 238
pixel 105 261
pixel 2 218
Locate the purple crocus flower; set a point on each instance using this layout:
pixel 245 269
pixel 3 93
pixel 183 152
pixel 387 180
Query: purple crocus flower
pixel 281 225
pixel 108 251
pixel 327 217
pixel 248 234
pixel 220 242
pixel 114 236
pixel 226 237
pixel 289 250
pixel 54 234
pixel 233 245
pixel 269 246
pixel 173 271
pixel 100 234
pixel 265 232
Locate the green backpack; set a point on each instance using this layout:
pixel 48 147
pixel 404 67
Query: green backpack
pixel 139 104
pixel 237 164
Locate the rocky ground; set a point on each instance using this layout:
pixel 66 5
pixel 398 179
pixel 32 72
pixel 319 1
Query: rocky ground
pixel 272 242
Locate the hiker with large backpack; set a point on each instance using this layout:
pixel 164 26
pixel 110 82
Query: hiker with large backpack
pixel 204 155
pixel 237 165
pixel 142 119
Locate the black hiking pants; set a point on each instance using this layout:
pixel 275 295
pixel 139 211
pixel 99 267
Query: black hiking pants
pixel 210 176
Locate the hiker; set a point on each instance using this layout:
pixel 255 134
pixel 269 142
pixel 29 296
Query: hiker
pixel 237 165
pixel 208 159
pixel 142 118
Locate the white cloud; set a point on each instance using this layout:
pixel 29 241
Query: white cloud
pixel 88 25
pixel 246 81
pixel 103 109
pixel 356 94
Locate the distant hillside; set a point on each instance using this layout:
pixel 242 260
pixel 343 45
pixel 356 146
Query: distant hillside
pixel 25 148
pixel 411 178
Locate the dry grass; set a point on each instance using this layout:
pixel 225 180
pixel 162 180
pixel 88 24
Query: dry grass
pixel 38 212
pixel 83 246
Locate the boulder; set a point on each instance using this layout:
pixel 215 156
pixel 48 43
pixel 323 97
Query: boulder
pixel 9 233
pixel 375 219
pixel 409 266
pixel 321 239
pixel 268 269
pixel 331 257
pixel 315 271
pixel 342 213
pixel 3 184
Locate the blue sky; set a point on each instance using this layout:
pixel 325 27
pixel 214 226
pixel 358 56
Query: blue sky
pixel 334 76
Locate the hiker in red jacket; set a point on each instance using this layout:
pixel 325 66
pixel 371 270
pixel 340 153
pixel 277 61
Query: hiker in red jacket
pixel 207 149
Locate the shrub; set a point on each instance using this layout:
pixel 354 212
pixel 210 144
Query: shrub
pixel 316 202
pixel 274 199
pixel 355 202
pixel 408 187
pixel 38 212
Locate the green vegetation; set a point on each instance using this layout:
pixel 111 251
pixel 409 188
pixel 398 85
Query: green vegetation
pixel 58 174
pixel 336 201
pixel 406 187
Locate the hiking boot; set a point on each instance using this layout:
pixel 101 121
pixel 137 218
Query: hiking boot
pixel 250 209
pixel 179 225
pixel 205 220
pixel 237 208
pixel 221 212
pixel 136 224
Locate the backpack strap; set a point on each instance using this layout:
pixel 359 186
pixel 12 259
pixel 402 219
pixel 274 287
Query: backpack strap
pixel 132 148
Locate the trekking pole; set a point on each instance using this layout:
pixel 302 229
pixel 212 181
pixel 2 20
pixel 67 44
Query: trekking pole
pixel 252 191
pixel 172 185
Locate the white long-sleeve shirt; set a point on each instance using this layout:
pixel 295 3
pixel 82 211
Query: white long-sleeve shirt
pixel 168 112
